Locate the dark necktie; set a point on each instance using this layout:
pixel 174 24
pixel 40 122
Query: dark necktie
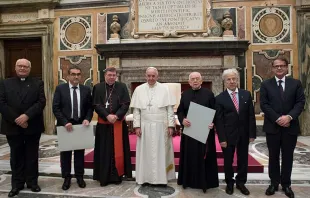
pixel 281 89
pixel 75 105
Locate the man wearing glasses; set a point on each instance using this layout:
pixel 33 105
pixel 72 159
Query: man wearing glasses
pixel 22 101
pixel 282 100
pixel 72 105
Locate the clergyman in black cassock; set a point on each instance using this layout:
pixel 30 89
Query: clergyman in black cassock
pixel 198 163
pixel 22 101
pixel 112 152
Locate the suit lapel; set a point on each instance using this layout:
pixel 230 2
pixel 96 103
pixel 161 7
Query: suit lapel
pixel 68 94
pixel 82 94
pixel 229 101
pixel 287 86
pixel 241 100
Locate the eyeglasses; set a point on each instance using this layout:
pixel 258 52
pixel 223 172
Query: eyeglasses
pixel 23 66
pixel 279 66
pixel 75 74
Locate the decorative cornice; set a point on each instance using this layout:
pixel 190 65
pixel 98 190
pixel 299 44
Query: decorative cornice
pixel 90 4
pixel 164 49
pixel 39 4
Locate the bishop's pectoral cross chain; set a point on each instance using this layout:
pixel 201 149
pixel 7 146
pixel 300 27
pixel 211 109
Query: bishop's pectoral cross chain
pixel 106 94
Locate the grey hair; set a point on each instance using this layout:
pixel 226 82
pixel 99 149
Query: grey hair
pixel 230 71
pixel 152 68
pixel 29 63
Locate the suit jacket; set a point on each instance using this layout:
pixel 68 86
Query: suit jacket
pixel 62 107
pixel 22 97
pixel 231 125
pixel 273 106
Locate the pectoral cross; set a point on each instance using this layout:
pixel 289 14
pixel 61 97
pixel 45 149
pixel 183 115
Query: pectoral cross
pixel 149 105
pixel 106 104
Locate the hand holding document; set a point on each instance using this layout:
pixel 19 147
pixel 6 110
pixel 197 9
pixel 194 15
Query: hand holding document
pixel 81 137
pixel 200 118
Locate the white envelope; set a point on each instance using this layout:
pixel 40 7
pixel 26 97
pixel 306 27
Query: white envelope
pixel 81 137
pixel 200 117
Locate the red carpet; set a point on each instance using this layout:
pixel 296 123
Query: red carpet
pixel 254 165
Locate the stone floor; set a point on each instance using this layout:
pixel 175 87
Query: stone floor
pixel 50 180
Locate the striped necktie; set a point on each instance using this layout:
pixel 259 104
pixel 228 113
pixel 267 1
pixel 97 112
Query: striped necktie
pixel 234 99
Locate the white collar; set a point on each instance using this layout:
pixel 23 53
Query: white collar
pixel 277 79
pixel 70 86
pixel 230 91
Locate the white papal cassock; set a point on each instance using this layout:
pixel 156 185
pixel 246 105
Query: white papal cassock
pixel 153 113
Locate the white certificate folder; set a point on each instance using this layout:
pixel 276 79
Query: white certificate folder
pixel 81 137
pixel 200 117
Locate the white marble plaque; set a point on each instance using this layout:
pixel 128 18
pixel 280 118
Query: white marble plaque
pixel 170 15
pixel 19 17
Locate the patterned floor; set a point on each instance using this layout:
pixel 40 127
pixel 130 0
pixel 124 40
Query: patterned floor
pixel 51 182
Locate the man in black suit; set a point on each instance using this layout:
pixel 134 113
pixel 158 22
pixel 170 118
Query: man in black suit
pixel 236 127
pixel 22 101
pixel 72 105
pixel 282 101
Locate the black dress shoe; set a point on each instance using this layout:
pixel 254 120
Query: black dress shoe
pixel 271 190
pixel 14 191
pixel 146 184
pixel 243 189
pixel 118 182
pixel 229 189
pixel 288 192
pixel 35 188
pixel 204 190
pixel 67 183
pixel 81 183
pixel 125 178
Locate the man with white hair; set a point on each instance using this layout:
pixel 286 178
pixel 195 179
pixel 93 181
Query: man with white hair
pixel 154 124
pixel 236 128
pixel 198 164
pixel 22 101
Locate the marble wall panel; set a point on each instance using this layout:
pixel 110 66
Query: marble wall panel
pixel 83 62
pixel 241 23
pixel 102 28
pixel 261 70
pixel 75 32
pixel 271 25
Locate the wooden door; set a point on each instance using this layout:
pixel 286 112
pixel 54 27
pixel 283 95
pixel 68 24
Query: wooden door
pixel 30 49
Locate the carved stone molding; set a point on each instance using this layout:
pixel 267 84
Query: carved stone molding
pixel 173 75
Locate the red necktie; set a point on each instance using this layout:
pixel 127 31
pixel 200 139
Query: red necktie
pixel 234 99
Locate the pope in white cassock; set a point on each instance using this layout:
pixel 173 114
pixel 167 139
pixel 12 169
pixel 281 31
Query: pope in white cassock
pixel 154 124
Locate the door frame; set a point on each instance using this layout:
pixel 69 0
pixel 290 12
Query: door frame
pixel 44 30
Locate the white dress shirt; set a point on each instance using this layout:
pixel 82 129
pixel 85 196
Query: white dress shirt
pixel 283 82
pixel 78 99
pixel 237 94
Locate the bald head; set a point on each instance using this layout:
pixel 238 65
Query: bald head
pixel 22 68
pixel 195 80
pixel 194 74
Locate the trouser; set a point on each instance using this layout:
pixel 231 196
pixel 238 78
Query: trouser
pixel 24 159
